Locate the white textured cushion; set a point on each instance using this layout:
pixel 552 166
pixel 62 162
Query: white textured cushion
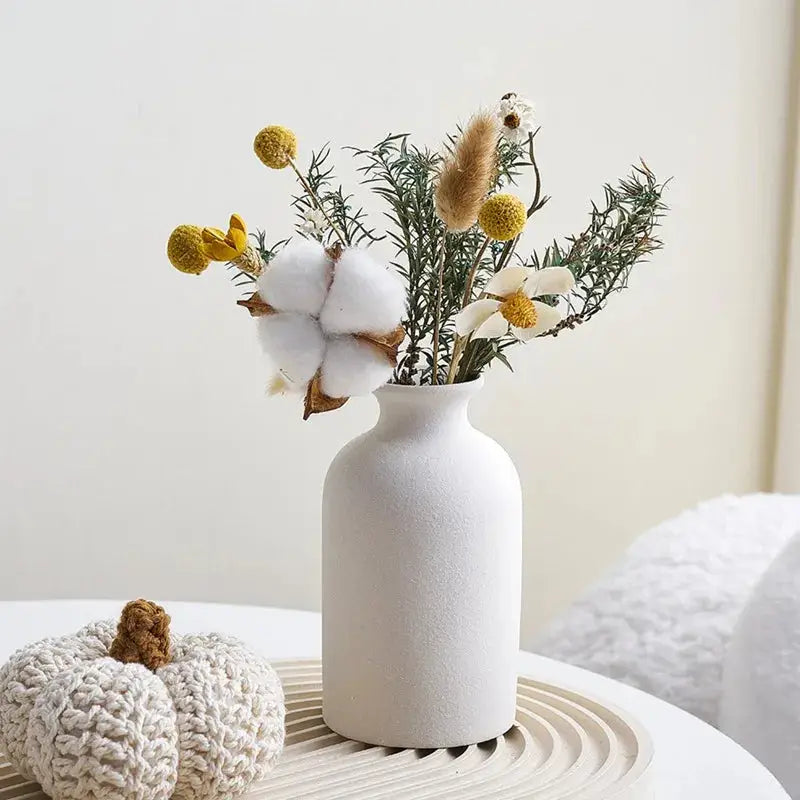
pixel 760 705
pixel 663 618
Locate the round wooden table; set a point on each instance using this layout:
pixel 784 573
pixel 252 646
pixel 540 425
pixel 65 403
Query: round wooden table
pixel 693 760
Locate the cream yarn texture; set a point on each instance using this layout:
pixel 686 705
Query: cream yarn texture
pixel 203 727
pixel 104 729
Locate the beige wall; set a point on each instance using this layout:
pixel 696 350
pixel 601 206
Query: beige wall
pixel 138 452
pixel 787 430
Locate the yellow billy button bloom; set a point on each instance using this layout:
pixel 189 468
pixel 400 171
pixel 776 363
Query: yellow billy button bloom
pixel 185 249
pixel 228 246
pixel 276 146
pixel 502 217
pixel 510 307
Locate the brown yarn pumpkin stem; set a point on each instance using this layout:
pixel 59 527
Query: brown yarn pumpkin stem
pixel 142 635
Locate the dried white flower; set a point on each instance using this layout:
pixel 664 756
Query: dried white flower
pixel 295 343
pixel 510 306
pixel 314 223
pixel 516 118
pixel 364 296
pixel 329 318
pixel 352 367
pixel 298 278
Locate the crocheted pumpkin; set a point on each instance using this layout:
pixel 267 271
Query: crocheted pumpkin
pixel 137 714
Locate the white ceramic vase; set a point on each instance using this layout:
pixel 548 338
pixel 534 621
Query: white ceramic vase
pixel 421 573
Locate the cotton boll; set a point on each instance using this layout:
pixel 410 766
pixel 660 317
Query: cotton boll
pixel 353 367
pixel 365 297
pixel 297 279
pixel 295 344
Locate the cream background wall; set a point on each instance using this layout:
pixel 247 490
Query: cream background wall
pixel 787 430
pixel 138 454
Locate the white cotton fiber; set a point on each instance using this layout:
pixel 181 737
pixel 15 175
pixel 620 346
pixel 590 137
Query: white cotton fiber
pixel 365 296
pixel 295 344
pixel 297 279
pixel 352 367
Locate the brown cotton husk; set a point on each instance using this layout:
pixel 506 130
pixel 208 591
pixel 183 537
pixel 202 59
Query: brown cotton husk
pixel 256 306
pixel 467 174
pixel 334 252
pixel 317 402
pixel 388 344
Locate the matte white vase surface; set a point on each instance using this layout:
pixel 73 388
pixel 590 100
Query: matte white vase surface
pixel 421 572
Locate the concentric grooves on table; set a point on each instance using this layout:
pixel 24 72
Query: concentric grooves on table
pixel 563 747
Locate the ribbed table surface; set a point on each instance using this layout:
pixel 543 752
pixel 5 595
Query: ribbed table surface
pixel 564 746
pixel 578 735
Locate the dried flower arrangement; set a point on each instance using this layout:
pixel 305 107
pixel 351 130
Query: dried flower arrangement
pixel 336 321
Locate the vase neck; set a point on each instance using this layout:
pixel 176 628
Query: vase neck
pixel 410 410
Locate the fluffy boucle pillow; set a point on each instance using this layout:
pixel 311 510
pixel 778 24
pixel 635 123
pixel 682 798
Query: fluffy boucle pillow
pixel 760 705
pixel 661 620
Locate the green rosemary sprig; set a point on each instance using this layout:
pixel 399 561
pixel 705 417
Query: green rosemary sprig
pixel 351 221
pixel 404 176
pixel 619 235
pixel 266 251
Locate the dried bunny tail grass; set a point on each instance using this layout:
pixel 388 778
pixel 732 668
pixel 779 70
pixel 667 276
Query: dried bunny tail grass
pixel 468 173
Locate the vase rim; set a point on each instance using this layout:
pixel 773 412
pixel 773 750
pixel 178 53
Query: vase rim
pixel 466 387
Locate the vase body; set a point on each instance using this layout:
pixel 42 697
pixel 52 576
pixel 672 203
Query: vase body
pixel 421 574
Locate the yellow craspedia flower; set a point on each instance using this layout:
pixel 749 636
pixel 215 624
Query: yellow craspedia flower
pixel 185 249
pixel 276 146
pixel 502 217
pixel 219 246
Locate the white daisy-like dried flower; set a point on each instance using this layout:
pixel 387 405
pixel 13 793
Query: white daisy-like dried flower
pixel 510 306
pixel 314 223
pixel 516 118
pixel 329 320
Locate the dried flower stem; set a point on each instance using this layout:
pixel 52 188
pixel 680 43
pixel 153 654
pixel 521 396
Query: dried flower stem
pixel 460 341
pixel 472 272
pixel 537 203
pixel 458 349
pixel 437 321
pixel 313 195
